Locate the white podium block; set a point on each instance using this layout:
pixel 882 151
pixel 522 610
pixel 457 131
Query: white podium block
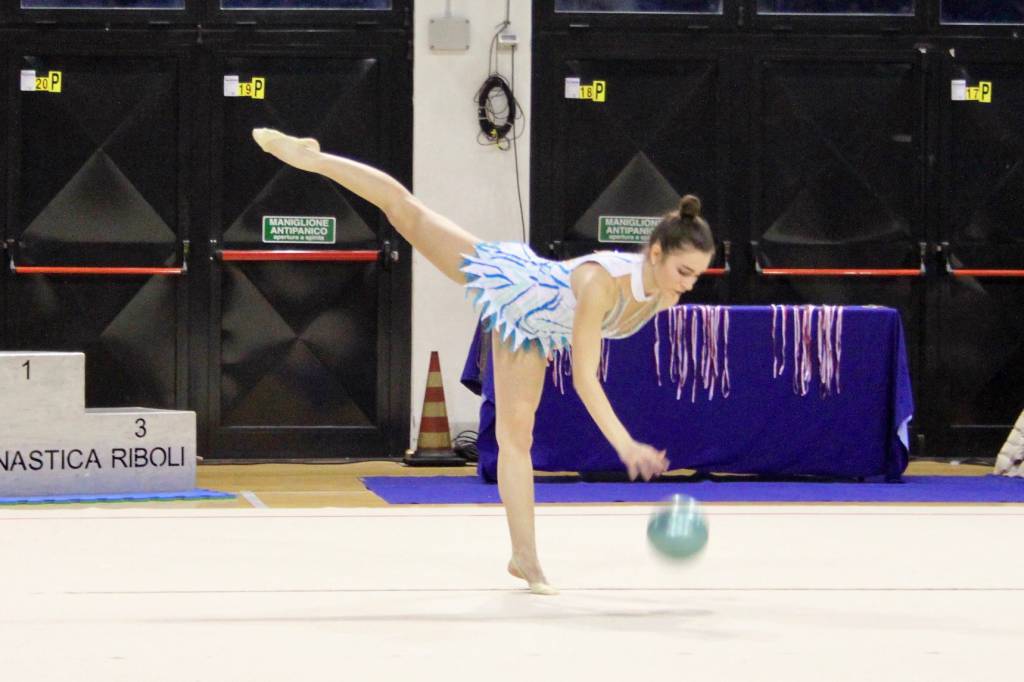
pixel 47 448
pixel 43 387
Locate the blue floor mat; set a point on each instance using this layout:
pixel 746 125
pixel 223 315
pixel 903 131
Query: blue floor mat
pixel 473 490
pixel 195 494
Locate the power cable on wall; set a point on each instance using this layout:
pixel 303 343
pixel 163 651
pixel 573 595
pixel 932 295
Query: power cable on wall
pixel 501 118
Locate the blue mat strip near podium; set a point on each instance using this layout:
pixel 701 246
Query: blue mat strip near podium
pixel 473 490
pixel 196 494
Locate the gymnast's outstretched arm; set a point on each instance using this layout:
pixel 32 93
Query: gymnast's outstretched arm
pixel 595 292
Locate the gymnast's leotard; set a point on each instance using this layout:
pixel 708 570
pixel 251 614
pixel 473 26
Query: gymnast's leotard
pixel 529 301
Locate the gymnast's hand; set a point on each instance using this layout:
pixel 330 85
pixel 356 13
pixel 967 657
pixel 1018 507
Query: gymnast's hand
pixel 643 460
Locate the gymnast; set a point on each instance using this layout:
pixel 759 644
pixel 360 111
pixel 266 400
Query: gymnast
pixel 533 306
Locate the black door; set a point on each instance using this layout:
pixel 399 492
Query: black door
pixel 837 182
pixel 980 316
pixel 309 298
pixel 97 219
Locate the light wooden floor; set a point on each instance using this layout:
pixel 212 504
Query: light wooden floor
pixel 303 486
pixel 299 486
pixel 318 486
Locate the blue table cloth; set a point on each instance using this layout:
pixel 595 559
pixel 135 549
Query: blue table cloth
pixel 842 414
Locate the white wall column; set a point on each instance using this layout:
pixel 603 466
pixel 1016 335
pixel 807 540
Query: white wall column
pixel 473 185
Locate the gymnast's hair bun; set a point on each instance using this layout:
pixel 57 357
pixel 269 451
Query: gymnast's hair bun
pixel 689 206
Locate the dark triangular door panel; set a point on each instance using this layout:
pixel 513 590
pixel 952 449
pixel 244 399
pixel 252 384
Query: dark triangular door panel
pixel 627 131
pixel 622 156
pixel 838 144
pixel 637 188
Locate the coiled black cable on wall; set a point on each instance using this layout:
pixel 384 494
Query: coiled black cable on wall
pixel 496 124
pixel 498 111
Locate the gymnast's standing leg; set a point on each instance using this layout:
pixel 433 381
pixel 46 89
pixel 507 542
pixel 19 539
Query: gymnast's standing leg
pixel 518 375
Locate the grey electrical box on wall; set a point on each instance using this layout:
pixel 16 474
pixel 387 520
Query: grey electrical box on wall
pixel 448 33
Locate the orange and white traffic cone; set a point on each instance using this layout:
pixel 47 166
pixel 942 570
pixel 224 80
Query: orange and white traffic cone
pixel 434 445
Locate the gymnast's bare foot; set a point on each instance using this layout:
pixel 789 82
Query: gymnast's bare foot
pixel 537 582
pixel 275 142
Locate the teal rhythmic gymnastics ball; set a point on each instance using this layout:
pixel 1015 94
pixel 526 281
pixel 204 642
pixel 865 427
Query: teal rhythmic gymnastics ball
pixel 677 528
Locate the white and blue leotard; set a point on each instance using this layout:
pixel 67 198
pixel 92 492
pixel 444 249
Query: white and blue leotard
pixel 529 300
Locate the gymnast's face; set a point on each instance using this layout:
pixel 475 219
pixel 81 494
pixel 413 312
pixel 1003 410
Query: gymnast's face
pixel 676 271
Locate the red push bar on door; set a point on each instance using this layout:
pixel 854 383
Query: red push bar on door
pixel 300 255
pixel 976 272
pixel 840 272
pixel 973 272
pixel 97 269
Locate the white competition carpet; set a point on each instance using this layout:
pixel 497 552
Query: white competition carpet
pixel 788 593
